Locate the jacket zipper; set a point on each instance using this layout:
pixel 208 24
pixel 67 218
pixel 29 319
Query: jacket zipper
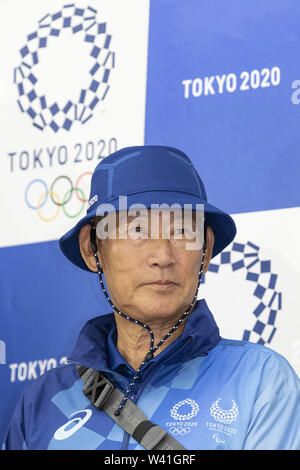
pixel 127 436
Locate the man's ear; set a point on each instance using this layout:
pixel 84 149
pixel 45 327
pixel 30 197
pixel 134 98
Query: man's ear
pixel 210 240
pixel 85 248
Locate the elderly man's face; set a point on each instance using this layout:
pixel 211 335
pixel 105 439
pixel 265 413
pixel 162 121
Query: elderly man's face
pixel 151 273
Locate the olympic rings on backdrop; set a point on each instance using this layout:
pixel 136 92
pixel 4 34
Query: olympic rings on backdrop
pixel 84 201
pixel 77 182
pixel 55 198
pixel 46 192
pixel 51 188
pixel 38 208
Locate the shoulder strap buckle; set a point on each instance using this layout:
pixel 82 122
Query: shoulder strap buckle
pixel 105 396
pixel 97 388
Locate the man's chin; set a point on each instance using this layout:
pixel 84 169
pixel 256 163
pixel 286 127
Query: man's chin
pixel 161 310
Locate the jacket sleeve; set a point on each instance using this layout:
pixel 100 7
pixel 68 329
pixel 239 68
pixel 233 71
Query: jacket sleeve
pixel 15 438
pixel 275 421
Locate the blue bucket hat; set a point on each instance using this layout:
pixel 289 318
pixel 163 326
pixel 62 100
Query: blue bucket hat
pixel 147 175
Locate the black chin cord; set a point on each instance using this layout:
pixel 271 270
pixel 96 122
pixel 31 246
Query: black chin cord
pixel 152 350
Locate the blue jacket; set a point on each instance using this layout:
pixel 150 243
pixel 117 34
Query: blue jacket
pixel 206 391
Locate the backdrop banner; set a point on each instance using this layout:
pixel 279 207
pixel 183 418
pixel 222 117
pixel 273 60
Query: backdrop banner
pixel 218 80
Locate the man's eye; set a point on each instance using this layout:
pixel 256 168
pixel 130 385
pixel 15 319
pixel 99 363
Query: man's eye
pixel 138 229
pixel 180 230
pixel 183 231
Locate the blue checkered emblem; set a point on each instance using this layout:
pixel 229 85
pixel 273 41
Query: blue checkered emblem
pixel 247 259
pixel 80 21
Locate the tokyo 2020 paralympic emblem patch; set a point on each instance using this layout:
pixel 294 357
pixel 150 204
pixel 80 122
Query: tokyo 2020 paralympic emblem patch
pixel 52 27
pixel 224 416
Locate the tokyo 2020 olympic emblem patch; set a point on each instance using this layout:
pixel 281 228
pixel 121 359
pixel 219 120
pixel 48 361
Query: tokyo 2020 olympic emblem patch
pixel 32 101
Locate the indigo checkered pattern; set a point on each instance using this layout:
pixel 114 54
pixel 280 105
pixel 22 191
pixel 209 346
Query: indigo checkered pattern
pixel 246 257
pixel 80 21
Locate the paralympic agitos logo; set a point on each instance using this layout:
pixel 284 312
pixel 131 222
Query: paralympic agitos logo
pixel 32 101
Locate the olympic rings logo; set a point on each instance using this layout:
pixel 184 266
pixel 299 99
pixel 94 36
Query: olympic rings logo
pixel 55 198
pixel 179 431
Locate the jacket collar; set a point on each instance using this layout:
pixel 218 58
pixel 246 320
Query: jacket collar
pixel 96 344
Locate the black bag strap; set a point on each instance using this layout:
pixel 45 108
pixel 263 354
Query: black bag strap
pixel 105 396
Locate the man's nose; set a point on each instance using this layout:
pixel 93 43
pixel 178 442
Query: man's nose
pixel 161 252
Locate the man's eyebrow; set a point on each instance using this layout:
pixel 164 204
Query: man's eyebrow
pixel 141 213
pixel 144 214
pixel 129 218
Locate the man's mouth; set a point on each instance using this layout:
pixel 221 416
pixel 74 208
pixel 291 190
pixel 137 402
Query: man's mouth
pixel 162 284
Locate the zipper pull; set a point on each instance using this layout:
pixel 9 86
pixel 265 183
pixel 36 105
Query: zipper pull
pixel 149 356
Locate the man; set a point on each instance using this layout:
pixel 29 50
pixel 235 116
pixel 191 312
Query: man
pixel 159 346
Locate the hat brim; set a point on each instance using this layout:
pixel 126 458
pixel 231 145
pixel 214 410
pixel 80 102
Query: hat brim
pixel 222 224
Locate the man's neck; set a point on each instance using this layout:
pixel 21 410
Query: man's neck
pixel 133 340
